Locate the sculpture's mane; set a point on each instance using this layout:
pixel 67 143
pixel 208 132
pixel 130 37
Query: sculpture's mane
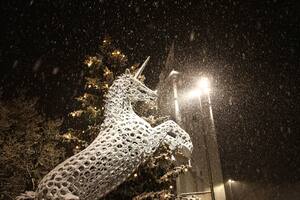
pixel 116 94
pixel 118 87
pixel 121 81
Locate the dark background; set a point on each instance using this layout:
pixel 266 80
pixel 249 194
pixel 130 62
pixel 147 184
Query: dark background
pixel 252 48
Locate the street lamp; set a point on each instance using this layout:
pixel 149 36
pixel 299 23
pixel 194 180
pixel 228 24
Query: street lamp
pixel 204 89
pixel 230 181
pixel 204 85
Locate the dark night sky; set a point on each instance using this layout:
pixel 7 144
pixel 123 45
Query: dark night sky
pixel 252 48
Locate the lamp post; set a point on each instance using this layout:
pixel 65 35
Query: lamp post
pixel 204 89
pixel 204 86
pixel 230 181
pixel 173 74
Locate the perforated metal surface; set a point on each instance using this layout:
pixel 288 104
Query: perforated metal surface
pixel 124 142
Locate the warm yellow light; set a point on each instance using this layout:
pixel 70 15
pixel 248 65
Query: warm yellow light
pixel 171 186
pixel 231 181
pixel 89 63
pixel 91 60
pixel 135 175
pixel 117 52
pixel 68 136
pixel 186 169
pixel 73 114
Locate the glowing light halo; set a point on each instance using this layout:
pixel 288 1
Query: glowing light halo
pixel 204 85
pixel 194 93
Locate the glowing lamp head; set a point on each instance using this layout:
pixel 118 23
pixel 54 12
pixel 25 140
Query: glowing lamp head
pixel 204 85
pixel 230 181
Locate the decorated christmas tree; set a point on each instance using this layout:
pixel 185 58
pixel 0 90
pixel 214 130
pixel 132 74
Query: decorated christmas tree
pixel 99 71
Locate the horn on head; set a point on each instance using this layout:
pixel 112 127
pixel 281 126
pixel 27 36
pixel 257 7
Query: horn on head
pixel 139 72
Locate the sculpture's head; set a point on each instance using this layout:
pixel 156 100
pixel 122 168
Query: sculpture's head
pixel 137 91
pixel 129 87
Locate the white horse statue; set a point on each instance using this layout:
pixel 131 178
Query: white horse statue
pixel 125 141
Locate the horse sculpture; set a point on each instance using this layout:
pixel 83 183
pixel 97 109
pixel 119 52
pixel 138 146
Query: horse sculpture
pixel 125 141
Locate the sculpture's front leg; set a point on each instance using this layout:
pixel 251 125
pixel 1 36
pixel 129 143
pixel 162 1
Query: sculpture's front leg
pixel 175 137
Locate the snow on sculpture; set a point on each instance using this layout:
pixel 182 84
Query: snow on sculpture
pixel 125 141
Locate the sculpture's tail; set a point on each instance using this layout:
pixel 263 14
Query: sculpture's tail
pixel 28 195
